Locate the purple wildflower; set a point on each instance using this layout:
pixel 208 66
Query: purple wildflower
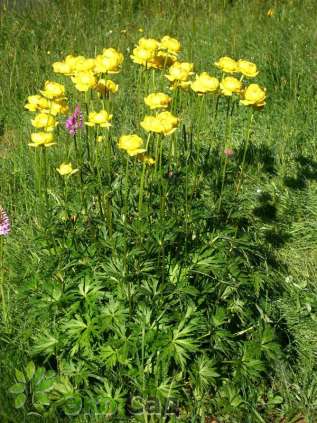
pixel 4 222
pixel 75 121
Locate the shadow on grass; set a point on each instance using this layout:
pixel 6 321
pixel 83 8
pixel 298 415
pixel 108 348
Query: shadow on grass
pixel 306 171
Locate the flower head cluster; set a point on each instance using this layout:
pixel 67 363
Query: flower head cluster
pixel 163 123
pixel 74 64
pixel 54 107
pixel 49 104
pixel 228 65
pixel 84 71
pixel 4 222
pixel 156 54
pixel 75 121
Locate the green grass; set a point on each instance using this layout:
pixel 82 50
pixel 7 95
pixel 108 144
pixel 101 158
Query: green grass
pixel 235 282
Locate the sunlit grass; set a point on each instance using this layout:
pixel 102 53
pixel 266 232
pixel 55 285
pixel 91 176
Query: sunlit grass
pixel 201 250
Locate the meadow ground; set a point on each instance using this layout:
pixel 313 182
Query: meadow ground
pixel 184 290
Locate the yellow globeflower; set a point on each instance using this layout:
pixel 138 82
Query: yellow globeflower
pixel 157 101
pixel 163 123
pixel 170 44
pixel 180 71
pixel 247 68
pixel 152 124
pixel 226 64
pixel 101 118
pixel 142 56
pixel 66 169
pixel 109 61
pixel 36 102
pixel 230 85
pixel 71 63
pixel 41 139
pixel 62 67
pixel 148 43
pixel 132 144
pixel 253 95
pixel 45 121
pixel 84 65
pixel 163 59
pixel 84 81
pixel 57 107
pixel 168 121
pixel 53 90
pixel 105 87
pixel 205 83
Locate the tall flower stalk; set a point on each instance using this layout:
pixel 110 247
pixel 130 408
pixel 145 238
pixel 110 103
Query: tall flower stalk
pixel 4 230
pixel 246 146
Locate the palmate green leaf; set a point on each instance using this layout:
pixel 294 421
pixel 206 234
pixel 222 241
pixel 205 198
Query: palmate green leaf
pixel 108 355
pixel 181 341
pixel 230 396
pixel 88 289
pixel 45 343
pixel 113 317
pixel 207 262
pixel 111 400
pixel 169 388
pixel 74 327
pixel 203 372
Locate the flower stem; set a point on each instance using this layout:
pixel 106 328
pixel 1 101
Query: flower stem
pixel 141 192
pixel 45 176
pixel 246 146
pixel 4 307
pixel 222 183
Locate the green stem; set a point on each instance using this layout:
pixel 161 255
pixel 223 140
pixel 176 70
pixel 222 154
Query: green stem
pixel 4 307
pixel 45 176
pixel 141 192
pixel 222 183
pixel 247 142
